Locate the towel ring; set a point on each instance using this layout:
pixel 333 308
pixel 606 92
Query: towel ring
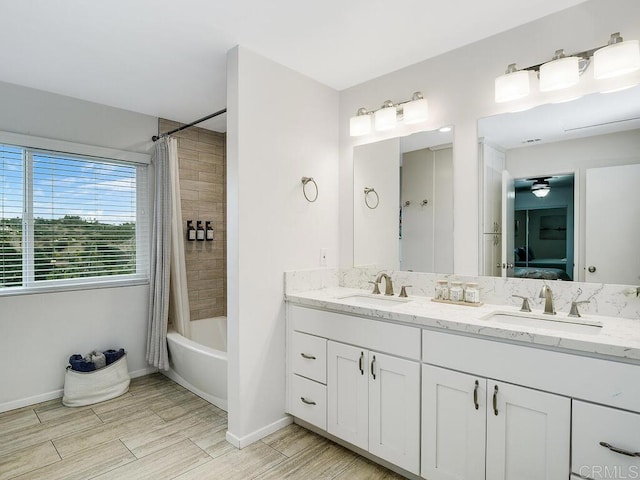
pixel 367 191
pixel 306 180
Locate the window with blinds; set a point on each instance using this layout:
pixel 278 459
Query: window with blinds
pixel 68 219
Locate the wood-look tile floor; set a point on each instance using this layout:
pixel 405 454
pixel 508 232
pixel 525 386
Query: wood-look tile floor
pixel 159 430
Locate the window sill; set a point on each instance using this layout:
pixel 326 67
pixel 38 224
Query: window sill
pixel 14 291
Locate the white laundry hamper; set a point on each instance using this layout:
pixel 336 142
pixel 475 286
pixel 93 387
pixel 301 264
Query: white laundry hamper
pixel 87 388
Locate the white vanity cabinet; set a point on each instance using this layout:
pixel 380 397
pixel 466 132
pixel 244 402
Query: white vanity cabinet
pixel 373 402
pixel 605 442
pixel 372 392
pixel 471 425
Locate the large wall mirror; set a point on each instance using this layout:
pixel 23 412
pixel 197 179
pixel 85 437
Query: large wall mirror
pixel 403 202
pixel 560 190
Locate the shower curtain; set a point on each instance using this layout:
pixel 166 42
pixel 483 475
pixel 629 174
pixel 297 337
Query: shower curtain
pixel 167 276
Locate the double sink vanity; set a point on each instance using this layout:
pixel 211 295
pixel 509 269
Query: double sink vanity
pixel 441 391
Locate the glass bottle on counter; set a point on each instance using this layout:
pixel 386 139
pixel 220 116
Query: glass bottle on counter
pixel 472 293
pixel 456 292
pixel 442 290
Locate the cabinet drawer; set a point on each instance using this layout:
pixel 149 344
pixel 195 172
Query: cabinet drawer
pixel 593 424
pixel 309 356
pixel 308 401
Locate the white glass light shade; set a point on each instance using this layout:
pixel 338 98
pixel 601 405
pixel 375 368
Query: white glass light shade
pixel 512 86
pixel 540 188
pixel 616 59
pixel 360 125
pixel 558 74
pixel 541 192
pixel 415 111
pixel 385 118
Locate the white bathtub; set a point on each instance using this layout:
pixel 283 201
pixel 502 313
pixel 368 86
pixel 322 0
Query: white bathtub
pixel 200 364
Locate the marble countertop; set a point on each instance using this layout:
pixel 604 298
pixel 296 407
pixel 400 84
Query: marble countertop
pixel 618 337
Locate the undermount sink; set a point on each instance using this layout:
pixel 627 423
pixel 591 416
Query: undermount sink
pixel 551 322
pixel 374 300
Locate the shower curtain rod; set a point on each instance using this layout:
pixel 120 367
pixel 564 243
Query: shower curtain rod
pixel 200 120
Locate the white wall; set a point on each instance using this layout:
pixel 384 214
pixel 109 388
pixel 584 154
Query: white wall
pixel 281 127
pixel 41 331
pixel 459 87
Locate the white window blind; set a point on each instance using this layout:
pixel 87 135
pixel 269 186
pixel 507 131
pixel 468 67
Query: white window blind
pixel 69 219
pixel 11 207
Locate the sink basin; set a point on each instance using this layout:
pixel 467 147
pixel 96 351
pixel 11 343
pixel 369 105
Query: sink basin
pixel 550 322
pixel 374 300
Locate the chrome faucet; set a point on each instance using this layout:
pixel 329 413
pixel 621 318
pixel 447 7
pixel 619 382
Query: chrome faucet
pixel 547 294
pixel 388 284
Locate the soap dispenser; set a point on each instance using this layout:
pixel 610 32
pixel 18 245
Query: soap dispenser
pixel 200 234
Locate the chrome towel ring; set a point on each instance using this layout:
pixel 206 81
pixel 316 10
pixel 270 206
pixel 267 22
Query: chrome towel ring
pixel 367 191
pixel 306 180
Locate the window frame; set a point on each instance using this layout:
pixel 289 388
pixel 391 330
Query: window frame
pixel 31 145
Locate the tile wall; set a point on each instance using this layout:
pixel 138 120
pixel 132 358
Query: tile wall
pixel 201 156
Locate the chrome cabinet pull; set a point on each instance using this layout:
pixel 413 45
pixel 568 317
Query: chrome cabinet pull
pixel 620 450
pixel 373 363
pixel 361 364
pixel 308 402
pixel 308 357
pixel 475 395
pixel 495 400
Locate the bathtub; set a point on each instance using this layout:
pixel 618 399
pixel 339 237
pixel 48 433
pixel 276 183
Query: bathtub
pixel 200 364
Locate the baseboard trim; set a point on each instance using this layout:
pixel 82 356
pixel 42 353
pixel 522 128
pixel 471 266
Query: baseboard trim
pixel 25 402
pixel 241 442
pixel 143 371
pixel 43 397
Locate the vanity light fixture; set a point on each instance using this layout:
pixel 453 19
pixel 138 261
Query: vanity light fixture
pixel 617 58
pixel 561 72
pixel 385 117
pixel 514 84
pixel 541 187
pixel 415 111
pixel 360 124
pixel 389 115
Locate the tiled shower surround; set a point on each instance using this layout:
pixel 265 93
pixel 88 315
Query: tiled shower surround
pixel 201 156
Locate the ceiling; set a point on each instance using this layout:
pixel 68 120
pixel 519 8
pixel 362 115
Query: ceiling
pixel 167 58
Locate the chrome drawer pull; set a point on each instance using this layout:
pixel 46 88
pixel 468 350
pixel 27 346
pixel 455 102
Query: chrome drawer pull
pixel 308 402
pixel 620 450
pixel 308 357
pixel 475 395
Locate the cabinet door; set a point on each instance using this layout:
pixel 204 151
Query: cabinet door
pixel 527 434
pixel 394 410
pixel 453 425
pixel 347 393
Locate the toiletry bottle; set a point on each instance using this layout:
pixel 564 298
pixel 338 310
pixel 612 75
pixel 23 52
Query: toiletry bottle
pixel 191 231
pixel 472 293
pixel 455 292
pixel 200 234
pixel 209 230
pixel 442 290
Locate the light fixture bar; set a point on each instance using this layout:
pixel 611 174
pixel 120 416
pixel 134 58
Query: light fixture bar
pixel 387 116
pixel 616 59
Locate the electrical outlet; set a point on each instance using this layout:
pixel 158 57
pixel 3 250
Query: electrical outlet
pixel 323 257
